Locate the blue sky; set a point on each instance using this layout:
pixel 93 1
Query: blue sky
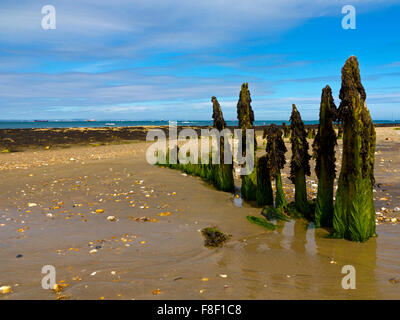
pixel 164 59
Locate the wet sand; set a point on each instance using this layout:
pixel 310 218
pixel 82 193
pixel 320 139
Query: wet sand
pixel 134 258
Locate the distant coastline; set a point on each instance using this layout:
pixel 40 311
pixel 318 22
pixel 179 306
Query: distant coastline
pixel 43 124
pixel 97 133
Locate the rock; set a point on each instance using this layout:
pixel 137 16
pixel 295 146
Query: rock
pixel 5 289
pixel 32 204
pixel 19 256
pixel 111 218
pixel 394 280
pixel 58 287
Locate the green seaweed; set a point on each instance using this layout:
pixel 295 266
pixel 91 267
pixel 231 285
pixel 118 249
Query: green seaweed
pixel 264 193
pixel 354 213
pixel 245 116
pixel 261 222
pixel 219 175
pixel 276 160
pixel 219 122
pixel 286 130
pixel 300 162
pixel 214 238
pixel 324 154
pixel 249 186
pixel 292 210
pixel 271 213
pixel 280 200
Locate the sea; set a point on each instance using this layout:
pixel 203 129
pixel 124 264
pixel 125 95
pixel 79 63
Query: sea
pixel 126 123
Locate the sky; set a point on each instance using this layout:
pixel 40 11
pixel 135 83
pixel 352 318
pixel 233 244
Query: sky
pixel 165 59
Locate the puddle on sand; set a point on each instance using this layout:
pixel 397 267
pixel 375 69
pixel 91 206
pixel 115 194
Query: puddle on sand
pixel 237 198
pixel 298 261
pixel 303 261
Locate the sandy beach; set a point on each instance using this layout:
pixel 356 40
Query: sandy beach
pixel 115 227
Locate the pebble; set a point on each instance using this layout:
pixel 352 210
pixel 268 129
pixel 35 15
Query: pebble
pixel 394 280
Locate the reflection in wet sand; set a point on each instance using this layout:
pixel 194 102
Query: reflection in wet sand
pixel 298 261
pixel 340 253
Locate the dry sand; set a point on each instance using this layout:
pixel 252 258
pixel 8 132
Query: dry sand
pixel 133 259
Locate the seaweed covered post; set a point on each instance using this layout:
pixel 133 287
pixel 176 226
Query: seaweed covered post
pixel 324 154
pixel 245 116
pixel 223 173
pixel 286 130
pixel 275 158
pixel 264 192
pixel 219 122
pixel 300 163
pixel 354 213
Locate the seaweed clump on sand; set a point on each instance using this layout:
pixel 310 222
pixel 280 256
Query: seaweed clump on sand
pixel 245 116
pixel 261 222
pixel 354 213
pixel 214 238
pixel 324 154
pixel 300 162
